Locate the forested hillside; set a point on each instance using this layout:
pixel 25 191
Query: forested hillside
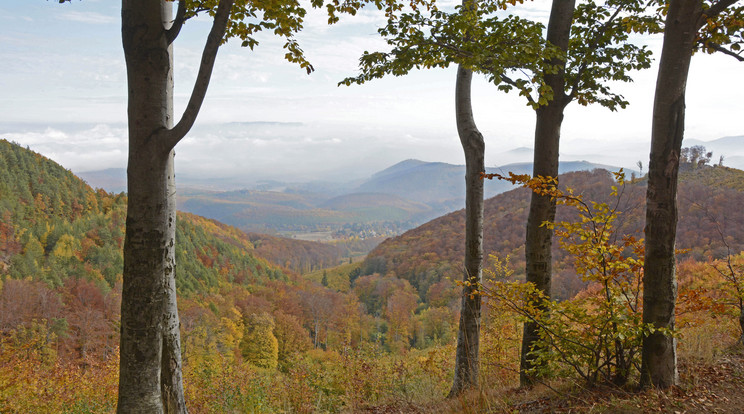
pixel 254 333
pixel 242 317
pixel 55 227
pixel 428 254
pixel 298 255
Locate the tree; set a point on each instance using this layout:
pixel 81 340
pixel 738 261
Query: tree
pixel 319 306
pixel 594 41
pixel 399 313
pixel 538 255
pixel 585 48
pixel 259 346
pixel 150 365
pixel 414 49
pixel 150 377
pixel 597 334
pixel 467 355
pixel 291 337
pixel 690 25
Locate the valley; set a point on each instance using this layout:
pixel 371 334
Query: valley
pixel 61 275
pixel 355 216
pixel 347 207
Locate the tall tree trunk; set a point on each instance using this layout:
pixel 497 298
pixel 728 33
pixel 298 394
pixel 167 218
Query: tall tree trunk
pixel 538 255
pixel 468 335
pixel 150 378
pixel 659 354
pixel 150 372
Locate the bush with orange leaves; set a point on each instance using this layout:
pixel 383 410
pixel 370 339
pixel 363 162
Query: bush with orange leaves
pixel 596 335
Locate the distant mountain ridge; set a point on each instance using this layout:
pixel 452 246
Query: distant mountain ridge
pixel 441 184
pixel 403 195
pixel 113 180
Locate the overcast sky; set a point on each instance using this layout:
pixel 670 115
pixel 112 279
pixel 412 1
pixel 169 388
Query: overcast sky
pixel 63 93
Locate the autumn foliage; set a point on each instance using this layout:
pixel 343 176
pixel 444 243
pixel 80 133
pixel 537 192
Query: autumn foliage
pixel 259 337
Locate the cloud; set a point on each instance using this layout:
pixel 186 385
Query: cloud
pixel 77 147
pixel 306 151
pixel 87 17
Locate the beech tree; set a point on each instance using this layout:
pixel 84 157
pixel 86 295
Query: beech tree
pixel 150 377
pixel 549 117
pixel 710 26
pixel 467 355
pixel 594 39
pixel 586 47
pixel 259 346
pixel 414 50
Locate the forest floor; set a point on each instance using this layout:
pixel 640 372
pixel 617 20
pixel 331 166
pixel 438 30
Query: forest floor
pixel 715 386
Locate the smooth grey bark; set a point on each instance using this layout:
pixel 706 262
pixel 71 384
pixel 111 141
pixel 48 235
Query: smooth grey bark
pixel 171 376
pixel 467 357
pixel 538 243
pixel 659 350
pixel 659 353
pixel 150 379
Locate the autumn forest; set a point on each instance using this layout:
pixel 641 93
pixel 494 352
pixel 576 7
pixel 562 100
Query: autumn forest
pixel 573 289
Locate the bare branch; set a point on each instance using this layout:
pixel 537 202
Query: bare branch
pixel 721 49
pixel 173 31
pixel 214 39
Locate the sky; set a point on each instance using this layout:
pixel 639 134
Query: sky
pixel 63 94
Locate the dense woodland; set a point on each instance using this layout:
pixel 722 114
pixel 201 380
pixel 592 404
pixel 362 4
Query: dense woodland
pixel 118 302
pixel 61 289
pixel 259 335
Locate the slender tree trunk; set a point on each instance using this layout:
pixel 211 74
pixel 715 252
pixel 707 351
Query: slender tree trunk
pixel 468 336
pixel 659 354
pixel 171 376
pixel 538 255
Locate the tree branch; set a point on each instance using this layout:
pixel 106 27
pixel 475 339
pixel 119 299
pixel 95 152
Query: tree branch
pixel 715 10
pixel 509 81
pixel 219 27
pixel 173 31
pixel 719 48
pixel 593 44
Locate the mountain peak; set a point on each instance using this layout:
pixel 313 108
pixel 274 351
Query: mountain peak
pixel 399 167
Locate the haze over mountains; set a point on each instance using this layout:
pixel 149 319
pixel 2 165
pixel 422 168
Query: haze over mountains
pixel 395 199
pixel 251 155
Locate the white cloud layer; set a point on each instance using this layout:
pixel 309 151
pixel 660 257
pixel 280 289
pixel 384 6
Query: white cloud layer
pixel 67 68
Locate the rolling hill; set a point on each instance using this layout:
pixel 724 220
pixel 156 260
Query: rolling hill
pixel 432 252
pixel 53 225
